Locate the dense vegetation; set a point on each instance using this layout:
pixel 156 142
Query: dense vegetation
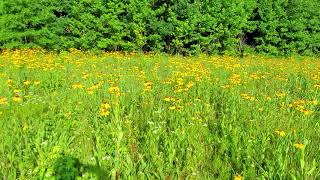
pixel 110 115
pixel 71 115
pixel 278 27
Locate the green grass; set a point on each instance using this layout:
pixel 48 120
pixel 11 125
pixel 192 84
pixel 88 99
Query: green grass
pixel 175 117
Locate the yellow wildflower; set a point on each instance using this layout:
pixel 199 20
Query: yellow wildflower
pixel 90 91
pixel 77 86
pixel 67 114
pixel 281 133
pixel 147 86
pixel 299 145
pixel 26 82
pixel 225 86
pixel 247 96
pixel 305 111
pixel 280 94
pixel 96 85
pixel 238 177
pixel 254 76
pixel 9 81
pixel 37 82
pixel 85 76
pixel 3 100
pixel 190 84
pixel 104 111
pixel 179 108
pixel 178 90
pixel 172 107
pixel 114 90
pixel 169 99
pixel 179 81
pixel 17 98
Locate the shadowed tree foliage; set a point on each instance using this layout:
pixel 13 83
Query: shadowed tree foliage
pixel 279 27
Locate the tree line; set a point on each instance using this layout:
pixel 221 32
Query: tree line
pixel 277 27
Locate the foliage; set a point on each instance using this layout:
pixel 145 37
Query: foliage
pixel 181 27
pixel 288 26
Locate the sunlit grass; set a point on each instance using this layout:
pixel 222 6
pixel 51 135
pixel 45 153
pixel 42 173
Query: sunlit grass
pixel 152 116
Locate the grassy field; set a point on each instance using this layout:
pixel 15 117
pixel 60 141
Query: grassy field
pixel 79 115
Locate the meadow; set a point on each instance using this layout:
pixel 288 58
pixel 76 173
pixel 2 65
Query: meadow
pixel 79 115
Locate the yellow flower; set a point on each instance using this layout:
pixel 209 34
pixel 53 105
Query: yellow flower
pixel 104 111
pixel 225 86
pixel 26 82
pixel 247 97
pixel 190 84
pixel 9 81
pixel 178 90
pixel 305 111
pixel 281 133
pixel 85 76
pixel 147 86
pixel 179 81
pixel 299 145
pixel 3 100
pixel 280 94
pixel 179 108
pixel 67 114
pixel 172 107
pixel 96 85
pixel 17 98
pixel 238 177
pixel 37 82
pixel 169 99
pixel 77 86
pixel 254 76
pixel 16 91
pixel 105 105
pixel 90 91
pixel 114 90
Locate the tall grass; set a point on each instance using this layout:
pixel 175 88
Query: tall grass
pixel 79 115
